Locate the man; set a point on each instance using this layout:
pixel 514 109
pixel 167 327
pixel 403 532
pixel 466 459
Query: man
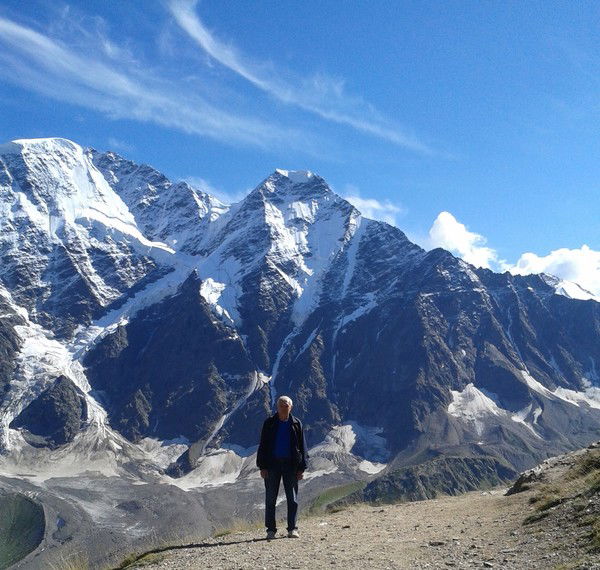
pixel 282 454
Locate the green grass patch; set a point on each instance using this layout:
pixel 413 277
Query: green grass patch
pixel 594 536
pixel 535 517
pixel 549 503
pixel 579 505
pixel 548 496
pixel 593 484
pixel 320 503
pixel 22 527
pixel 588 520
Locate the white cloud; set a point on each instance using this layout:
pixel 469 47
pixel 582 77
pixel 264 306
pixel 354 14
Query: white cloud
pixel 581 266
pixel 447 232
pixel 122 89
pixel 385 211
pixel 319 94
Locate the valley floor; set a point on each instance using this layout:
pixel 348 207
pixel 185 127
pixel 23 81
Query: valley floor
pixel 476 530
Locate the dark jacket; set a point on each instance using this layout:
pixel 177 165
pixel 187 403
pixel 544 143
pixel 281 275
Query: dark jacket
pixel 264 456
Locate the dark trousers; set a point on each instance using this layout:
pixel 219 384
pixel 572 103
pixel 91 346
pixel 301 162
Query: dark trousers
pixel 282 468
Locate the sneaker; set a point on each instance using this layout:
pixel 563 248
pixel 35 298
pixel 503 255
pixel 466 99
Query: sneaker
pixel 293 533
pixel 271 534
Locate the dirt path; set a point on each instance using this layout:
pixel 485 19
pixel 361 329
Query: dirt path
pixel 476 530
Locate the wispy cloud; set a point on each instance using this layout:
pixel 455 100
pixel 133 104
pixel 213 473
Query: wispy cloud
pixel 120 89
pixel 385 210
pixel 322 95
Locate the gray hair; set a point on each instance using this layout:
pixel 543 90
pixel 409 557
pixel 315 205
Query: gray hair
pixel 285 399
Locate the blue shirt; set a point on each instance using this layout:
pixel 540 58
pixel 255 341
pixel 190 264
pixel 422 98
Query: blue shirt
pixel 282 439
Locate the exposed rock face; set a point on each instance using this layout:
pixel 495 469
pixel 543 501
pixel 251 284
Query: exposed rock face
pixel 55 416
pixel 428 480
pixel 189 317
pixel 9 342
pixel 174 370
pixel 442 475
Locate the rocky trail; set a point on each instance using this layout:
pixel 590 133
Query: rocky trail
pixel 550 523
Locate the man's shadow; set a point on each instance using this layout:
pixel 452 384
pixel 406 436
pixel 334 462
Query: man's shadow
pixel 193 545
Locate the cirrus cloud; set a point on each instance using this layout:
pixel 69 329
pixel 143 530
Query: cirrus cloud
pixel 385 211
pixel 319 94
pixel 112 83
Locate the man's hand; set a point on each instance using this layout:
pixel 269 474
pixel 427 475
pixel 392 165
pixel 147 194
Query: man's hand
pixel 264 473
pixel 299 474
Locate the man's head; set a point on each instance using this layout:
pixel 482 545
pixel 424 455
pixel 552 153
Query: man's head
pixel 284 407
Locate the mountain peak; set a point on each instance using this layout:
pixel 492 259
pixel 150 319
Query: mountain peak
pixel 44 144
pixel 293 185
pixel 296 176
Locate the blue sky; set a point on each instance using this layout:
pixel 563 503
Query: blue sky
pixel 470 125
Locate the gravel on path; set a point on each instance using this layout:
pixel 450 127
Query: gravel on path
pixel 479 529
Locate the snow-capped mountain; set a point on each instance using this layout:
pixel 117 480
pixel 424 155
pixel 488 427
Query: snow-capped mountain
pixel 156 326
pixel 175 214
pixel 69 244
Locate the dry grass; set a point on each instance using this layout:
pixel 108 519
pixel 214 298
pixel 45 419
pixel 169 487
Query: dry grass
pixel 238 525
pixel 65 560
pixel 579 483
pixel 163 544
pixel 594 536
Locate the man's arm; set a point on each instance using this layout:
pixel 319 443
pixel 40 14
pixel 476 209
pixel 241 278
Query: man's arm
pixel 303 449
pixel 261 448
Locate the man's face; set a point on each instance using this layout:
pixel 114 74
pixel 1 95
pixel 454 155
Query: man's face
pixel 283 408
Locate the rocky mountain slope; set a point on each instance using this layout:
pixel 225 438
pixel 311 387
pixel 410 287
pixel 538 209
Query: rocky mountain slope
pixel 156 290
pixel 146 330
